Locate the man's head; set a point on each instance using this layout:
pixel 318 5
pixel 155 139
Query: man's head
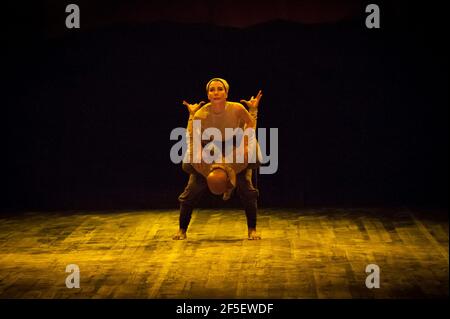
pixel 217 181
pixel 217 90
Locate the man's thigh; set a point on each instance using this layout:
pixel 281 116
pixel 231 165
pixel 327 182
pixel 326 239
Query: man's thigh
pixel 194 189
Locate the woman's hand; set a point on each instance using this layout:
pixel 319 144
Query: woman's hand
pixel 192 108
pixel 254 101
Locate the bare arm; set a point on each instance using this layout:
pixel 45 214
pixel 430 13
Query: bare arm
pixel 192 109
pixel 253 104
pixel 250 119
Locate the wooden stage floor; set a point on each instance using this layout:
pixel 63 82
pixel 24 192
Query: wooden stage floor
pixel 309 253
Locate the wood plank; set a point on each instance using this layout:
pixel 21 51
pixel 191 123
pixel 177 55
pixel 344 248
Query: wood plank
pixel 304 254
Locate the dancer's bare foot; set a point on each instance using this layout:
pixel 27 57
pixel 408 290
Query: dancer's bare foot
pixel 252 235
pixel 180 235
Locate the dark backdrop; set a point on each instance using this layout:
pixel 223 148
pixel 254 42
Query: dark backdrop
pixel 362 114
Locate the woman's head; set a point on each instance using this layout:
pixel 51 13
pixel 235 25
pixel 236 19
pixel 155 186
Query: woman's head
pixel 217 90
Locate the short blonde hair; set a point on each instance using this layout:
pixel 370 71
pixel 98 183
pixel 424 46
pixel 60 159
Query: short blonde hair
pixel 224 82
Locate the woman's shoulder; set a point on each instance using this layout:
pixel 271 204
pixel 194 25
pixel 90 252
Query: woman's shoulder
pixel 236 105
pixel 203 111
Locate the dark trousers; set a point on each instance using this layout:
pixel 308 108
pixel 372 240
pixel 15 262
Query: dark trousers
pixel 197 186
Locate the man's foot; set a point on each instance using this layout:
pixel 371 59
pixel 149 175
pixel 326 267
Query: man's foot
pixel 252 235
pixel 180 235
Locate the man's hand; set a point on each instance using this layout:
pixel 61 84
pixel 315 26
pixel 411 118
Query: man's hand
pixel 253 102
pixel 192 108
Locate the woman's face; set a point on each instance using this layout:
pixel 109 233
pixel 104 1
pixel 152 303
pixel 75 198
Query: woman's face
pixel 216 92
